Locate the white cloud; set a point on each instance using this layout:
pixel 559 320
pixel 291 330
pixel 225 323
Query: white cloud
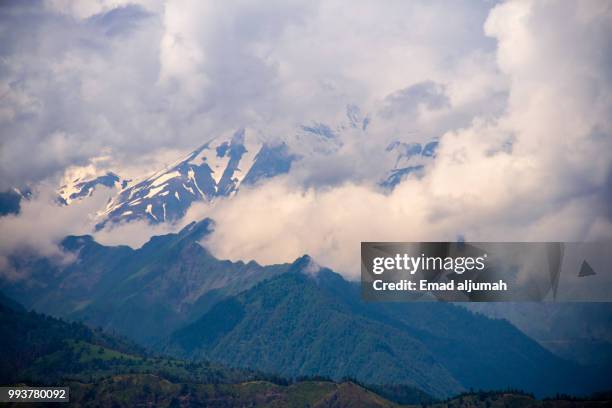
pixel 135 79
pixel 134 234
pixel 42 224
pixel 535 173
pixel 519 94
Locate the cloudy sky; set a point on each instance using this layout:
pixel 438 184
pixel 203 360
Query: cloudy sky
pixel 517 93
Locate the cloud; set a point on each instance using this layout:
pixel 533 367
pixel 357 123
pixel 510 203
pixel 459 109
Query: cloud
pixel 537 172
pixel 136 233
pixel 135 79
pixel 41 225
pixel 518 94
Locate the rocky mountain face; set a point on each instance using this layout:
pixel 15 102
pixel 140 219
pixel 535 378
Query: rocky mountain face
pixel 217 168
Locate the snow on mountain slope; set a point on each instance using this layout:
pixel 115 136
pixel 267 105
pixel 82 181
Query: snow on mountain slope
pixel 84 187
pixel 221 165
pixel 217 168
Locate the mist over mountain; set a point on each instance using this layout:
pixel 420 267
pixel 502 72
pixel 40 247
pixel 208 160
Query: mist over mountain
pixel 130 94
pixel 220 166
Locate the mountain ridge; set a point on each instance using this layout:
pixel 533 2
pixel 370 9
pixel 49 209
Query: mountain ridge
pixel 302 322
pixel 143 293
pixel 215 169
pixel 218 167
pixel 304 317
pixel 101 368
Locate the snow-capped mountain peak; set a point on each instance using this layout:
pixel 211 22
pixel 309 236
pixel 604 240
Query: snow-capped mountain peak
pixel 216 168
pixel 219 167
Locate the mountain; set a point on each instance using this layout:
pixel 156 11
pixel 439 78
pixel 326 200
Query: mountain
pixel 520 399
pixel 148 390
pixel 111 372
pixel 220 166
pixel 84 187
pixel 217 168
pixel 30 342
pixel 10 200
pixel 580 332
pixel 145 293
pixel 106 371
pixel 322 139
pixel 286 319
pixel 407 158
pixel 305 323
pixel 6 303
